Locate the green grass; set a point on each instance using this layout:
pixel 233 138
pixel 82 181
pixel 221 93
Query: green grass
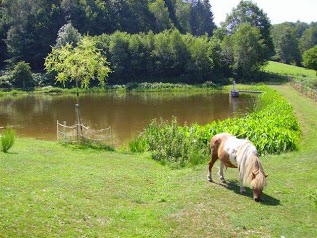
pixel 290 70
pixel 49 190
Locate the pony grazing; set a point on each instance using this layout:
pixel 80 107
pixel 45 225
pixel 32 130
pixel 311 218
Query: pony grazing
pixel 238 153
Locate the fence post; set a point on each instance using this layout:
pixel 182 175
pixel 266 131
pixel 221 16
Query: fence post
pixel 64 130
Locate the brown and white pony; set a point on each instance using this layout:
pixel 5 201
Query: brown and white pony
pixel 238 153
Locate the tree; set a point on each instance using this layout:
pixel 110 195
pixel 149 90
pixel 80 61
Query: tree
pixel 67 34
pixel 310 58
pixel 248 48
pixel 161 14
pixel 201 18
pixel 182 12
pixel 285 39
pixel 309 38
pixel 249 12
pixel 32 27
pixel 22 75
pixel 82 63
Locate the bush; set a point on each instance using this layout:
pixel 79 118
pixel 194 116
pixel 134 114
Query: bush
pixel 7 139
pixel 22 76
pixel 172 144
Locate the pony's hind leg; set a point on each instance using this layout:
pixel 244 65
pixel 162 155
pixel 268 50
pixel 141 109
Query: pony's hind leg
pixel 220 173
pixel 214 143
pixel 214 158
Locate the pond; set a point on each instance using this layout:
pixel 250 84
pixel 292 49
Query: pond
pixel 127 114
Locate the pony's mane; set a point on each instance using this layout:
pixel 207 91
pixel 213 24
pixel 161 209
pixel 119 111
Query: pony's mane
pixel 249 163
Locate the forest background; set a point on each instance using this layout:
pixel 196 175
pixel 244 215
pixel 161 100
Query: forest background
pixel 148 40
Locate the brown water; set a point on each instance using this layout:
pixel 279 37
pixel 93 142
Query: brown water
pixel 127 114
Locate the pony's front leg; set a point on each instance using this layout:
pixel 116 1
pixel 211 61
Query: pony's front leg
pixel 242 189
pixel 220 173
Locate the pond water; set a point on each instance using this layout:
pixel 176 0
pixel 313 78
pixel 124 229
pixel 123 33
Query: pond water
pixel 127 114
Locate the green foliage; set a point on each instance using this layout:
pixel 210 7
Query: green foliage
pixel 67 34
pixel 308 37
pixel 83 63
pixel 161 14
pixel 248 50
pixel 273 129
pixel 201 18
pixel 310 58
pixel 170 55
pixel 7 139
pixel 249 12
pixel 22 75
pixel 174 145
pixel 285 39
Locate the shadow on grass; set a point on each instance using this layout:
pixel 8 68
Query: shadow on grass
pixel 234 185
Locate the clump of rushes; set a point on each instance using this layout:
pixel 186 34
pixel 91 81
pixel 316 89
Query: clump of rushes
pixel 7 139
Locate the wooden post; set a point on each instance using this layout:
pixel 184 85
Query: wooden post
pixel 64 131
pixel 78 123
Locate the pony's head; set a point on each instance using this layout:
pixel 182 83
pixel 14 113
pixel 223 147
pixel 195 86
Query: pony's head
pixel 258 182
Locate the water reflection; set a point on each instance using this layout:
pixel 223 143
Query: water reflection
pixel 127 114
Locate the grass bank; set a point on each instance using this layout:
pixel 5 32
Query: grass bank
pixel 49 190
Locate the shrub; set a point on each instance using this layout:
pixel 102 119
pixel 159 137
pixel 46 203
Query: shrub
pixel 7 139
pixel 22 75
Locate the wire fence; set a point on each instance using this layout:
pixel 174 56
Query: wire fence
pixel 81 133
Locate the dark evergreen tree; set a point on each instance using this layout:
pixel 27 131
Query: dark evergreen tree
pixel 201 18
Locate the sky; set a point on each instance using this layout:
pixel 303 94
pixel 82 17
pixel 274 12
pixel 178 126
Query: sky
pixel 278 11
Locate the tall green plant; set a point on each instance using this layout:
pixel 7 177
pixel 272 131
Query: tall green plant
pixel 7 139
pixel 273 129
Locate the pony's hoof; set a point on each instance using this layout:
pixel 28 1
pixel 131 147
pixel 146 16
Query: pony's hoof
pixel 223 180
pixel 209 179
pixel 242 190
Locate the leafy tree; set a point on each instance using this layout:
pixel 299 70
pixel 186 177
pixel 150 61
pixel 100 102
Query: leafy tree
pixel 67 34
pixel 83 63
pixel 309 38
pixel 182 12
pixel 285 39
pixel 171 6
pixel 32 29
pixel 119 54
pixel 310 58
pixel 248 48
pixel 161 14
pixel 22 76
pixel 221 53
pixel 249 12
pixel 200 65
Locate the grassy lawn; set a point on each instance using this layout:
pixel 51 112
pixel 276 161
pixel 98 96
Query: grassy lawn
pixel 285 69
pixel 49 190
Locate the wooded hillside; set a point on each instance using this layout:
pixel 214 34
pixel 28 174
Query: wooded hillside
pixel 152 38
